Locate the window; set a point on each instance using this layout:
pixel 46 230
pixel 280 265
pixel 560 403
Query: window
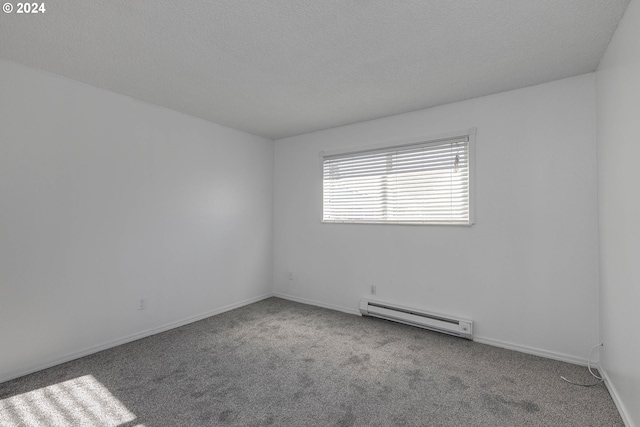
pixel 425 182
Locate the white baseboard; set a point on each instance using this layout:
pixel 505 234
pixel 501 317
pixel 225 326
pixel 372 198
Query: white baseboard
pixel 616 398
pixel 317 303
pixel 482 340
pixel 535 351
pixel 146 333
pixel 149 332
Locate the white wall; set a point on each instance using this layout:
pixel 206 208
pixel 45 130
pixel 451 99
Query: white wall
pixel 618 91
pixel 526 273
pixel 103 200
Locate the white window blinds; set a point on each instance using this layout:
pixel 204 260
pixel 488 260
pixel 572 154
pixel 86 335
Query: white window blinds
pixel 425 183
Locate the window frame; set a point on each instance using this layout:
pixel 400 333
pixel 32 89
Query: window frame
pixel 391 145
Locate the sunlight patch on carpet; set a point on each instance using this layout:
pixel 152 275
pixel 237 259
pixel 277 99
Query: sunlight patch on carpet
pixel 82 401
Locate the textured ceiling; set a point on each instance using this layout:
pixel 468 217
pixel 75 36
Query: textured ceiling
pixel 278 68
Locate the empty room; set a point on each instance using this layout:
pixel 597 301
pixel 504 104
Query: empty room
pixel 334 213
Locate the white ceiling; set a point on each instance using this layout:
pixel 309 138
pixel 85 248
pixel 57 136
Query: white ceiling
pixel 279 68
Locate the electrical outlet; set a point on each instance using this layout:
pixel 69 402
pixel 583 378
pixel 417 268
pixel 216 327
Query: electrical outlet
pixel 290 275
pixel 373 289
pixel 142 304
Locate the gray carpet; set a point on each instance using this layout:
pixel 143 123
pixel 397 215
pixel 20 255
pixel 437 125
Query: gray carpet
pixel 282 363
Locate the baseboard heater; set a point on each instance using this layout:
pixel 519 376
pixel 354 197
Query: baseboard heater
pixel 449 325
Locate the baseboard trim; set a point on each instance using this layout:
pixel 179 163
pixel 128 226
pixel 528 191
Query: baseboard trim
pixel 482 340
pixel 133 337
pixel 616 398
pixel 317 303
pixel 534 351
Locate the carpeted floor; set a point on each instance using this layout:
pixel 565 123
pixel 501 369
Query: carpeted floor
pixel 281 363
